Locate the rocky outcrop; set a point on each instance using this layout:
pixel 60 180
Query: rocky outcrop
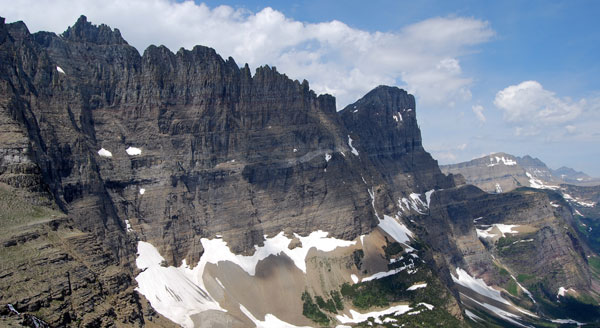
pixel 384 123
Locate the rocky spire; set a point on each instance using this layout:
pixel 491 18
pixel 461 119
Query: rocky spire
pixel 84 31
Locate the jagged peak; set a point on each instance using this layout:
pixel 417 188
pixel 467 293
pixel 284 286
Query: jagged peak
pixel 386 98
pixel 84 31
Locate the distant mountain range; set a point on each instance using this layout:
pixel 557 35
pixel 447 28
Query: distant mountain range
pixel 501 172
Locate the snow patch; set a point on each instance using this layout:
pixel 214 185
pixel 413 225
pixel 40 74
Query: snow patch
pixel 428 196
pixel 510 317
pixel 538 184
pixel 477 285
pixel 327 157
pixel 354 278
pixel 501 160
pixel 177 293
pixel 104 153
pixel 506 228
pixel 498 189
pixel 485 233
pixel 60 70
pixel 354 151
pixel 270 321
pixel 356 317
pixel 395 229
pixel 216 250
pixel 472 316
pixel 128 226
pixel 428 306
pixel 142 191
pixel 503 228
pixel 133 151
pixel 568 321
pixel 417 286
pixel 554 204
pixel 379 275
pixel 295 150
pixel 562 291
pixel 523 288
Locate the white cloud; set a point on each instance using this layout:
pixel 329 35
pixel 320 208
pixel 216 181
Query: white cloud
pixel 335 58
pixel 529 103
pixel 478 110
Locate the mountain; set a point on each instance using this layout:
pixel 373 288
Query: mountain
pixel 169 189
pixel 569 175
pixel 504 172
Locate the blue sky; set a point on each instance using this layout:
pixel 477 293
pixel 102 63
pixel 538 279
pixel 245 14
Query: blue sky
pixel 520 77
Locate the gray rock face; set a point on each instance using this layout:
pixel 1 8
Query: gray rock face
pixel 384 123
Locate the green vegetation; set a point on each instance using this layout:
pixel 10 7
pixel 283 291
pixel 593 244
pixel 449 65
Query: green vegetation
pixel 511 287
pixel 357 256
pixel 337 299
pixel 594 263
pixel 522 277
pixel 311 310
pixel 328 305
pixel 505 241
pixel 392 249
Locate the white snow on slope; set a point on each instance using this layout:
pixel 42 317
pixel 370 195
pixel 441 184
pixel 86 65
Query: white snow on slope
pixel 485 233
pixel 568 321
pixel 173 292
pixel 501 160
pixel 477 285
pixel 562 291
pixel 132 151
pixel 578 200
pixel 395 229
pixel 416 286
pixel 498 189
pixel 428 196
pixel 128 226
pixel 104 153
pixel 60 70
pixel 179 292
pixel 523 288
pixel 503 228
pixel 216 250
pixel 356 317
pixel 410 267
pixel 505 315
pixel 472 316
pixel 270 321
pixel 142 191
pixel 327 157
pixel 506 228
pixel 537 183
pixel 354 278
pixel 415 202
pixel 354 151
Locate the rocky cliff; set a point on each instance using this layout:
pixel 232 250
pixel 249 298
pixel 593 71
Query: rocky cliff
pixel 230 198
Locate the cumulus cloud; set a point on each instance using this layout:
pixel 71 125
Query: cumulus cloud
pixel 528 102
pixel 347 62
pixel 478 110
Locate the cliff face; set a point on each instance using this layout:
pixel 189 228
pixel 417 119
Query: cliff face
pixel 184 150
pixel 384 122
pixel 220 151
